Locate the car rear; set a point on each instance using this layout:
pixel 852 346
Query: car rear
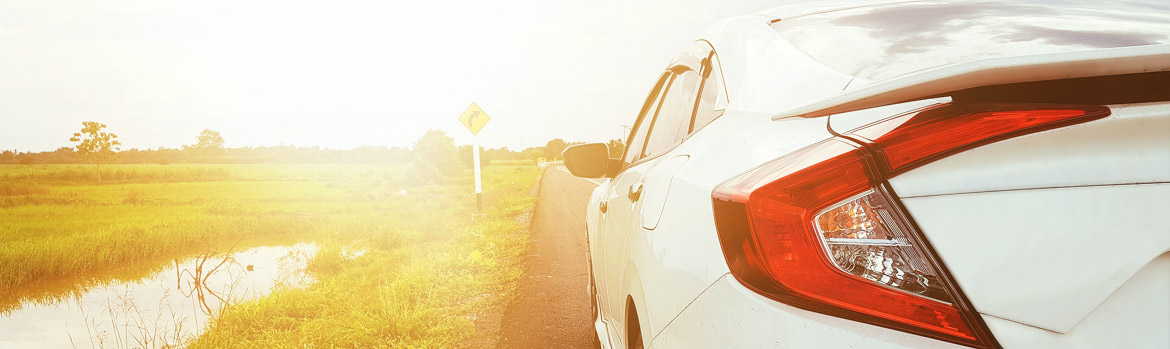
pixel 1053 235
pixel 1017 205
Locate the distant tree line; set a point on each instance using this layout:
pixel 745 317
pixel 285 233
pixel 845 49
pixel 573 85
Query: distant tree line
pixel 95 145
pixel 259 155
pixel 553 149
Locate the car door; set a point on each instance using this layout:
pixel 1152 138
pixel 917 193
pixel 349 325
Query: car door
pixel 634 144
pixel 659 131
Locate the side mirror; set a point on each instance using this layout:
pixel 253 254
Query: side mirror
pixel 587 160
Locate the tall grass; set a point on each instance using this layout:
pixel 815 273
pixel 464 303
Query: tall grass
pixel 23 189
pixel 426 271
pixel 151 173
pixel 56 227
pixel 113 173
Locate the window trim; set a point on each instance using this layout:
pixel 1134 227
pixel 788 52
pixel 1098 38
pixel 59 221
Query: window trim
pixel 699 94
pixel 656 93
pixel 717 64
pixel 707 68
pixel 643 158
pixel 675 72
pixel 713 66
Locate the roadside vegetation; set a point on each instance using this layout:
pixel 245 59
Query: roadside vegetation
pixel 426 272
pixel 401 261
pixel 403 258
pixel 62 228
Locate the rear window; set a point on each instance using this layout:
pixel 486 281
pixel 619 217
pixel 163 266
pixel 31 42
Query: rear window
pixel 879 42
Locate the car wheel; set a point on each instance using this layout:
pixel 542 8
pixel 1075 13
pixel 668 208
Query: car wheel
pixel 634 332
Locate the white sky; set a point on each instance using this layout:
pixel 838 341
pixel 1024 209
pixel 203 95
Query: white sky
pixel 337 74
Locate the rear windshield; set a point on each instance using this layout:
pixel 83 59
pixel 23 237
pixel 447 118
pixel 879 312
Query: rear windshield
pixel 885 41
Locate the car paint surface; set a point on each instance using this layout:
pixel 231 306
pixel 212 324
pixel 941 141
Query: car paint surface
pixel 665 257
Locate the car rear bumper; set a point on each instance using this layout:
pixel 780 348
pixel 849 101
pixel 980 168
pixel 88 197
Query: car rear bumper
pixel 728 315
pixel 1137 315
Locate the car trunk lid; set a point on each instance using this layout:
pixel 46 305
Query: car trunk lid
pixel 1043 228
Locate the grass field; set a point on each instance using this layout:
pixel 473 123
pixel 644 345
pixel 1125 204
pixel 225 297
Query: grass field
pixel 427 270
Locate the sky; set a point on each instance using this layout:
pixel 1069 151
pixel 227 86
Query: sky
pixel 335 74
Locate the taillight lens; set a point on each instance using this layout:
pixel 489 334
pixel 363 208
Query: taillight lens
pixel 815 230
pixel 913 139
pixel 820 229
pixel 863 238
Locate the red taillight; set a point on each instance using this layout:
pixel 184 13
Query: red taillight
pixel 913 139
pixel 767 222
pixel 820 229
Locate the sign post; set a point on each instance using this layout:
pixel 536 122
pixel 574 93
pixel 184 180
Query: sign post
pixel 478 180
pixel 474 118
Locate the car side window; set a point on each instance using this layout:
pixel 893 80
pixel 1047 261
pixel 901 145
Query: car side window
pixel 642 124
pixel 705 107
pixel 674 117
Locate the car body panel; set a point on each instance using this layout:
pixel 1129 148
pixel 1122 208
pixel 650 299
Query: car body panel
pixel 728 315
pixel 1045 257
pixel 1132 317
pixel 1130 146
pixel 619 220
pixel 1052 223
pixel 992 71
pixel 654 201
pixel 775 64
pixel 956 45
pixel 848 121
pixel 676 285
pixel 671 266
pixel 681 256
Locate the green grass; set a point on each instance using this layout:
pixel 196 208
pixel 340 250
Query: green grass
pixel 427 272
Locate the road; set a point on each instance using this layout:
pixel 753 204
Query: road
pixel 551 308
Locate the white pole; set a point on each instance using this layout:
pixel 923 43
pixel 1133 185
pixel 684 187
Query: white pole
pixel 478 182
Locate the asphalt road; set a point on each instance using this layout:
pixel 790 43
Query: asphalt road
pixel 551 308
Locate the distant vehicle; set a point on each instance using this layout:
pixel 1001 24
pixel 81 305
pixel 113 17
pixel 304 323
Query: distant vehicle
pixel 898 174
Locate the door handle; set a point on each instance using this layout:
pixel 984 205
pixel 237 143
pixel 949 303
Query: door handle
pixel 603 206
pixel 635 192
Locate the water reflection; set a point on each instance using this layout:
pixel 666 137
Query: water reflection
pixel 167 308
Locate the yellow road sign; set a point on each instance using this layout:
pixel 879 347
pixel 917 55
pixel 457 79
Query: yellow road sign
pixel 474 118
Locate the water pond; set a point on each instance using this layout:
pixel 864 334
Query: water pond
pixel 169 307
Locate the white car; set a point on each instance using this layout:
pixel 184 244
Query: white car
pixel 897 174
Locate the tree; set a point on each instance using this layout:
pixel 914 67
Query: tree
pixel 467 158
pixel 553 149
pixel 532 154
pixel 95 145
pixel 209 143
pixel 435 158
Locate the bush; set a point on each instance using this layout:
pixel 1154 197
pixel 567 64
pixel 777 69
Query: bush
pixel 14 189
pixel 436 159
pixel 135 197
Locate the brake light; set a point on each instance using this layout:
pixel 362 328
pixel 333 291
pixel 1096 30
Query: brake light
pixel 820 229
pixel 804 231
pixel 913 139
